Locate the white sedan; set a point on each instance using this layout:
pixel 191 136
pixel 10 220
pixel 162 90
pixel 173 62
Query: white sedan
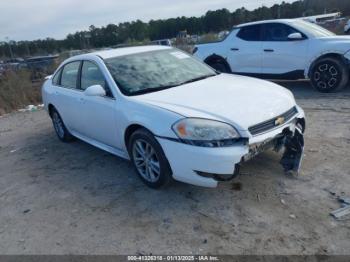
pixel 171 115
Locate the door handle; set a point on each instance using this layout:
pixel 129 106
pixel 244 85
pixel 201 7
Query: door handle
pixel 234 49
pixel 269 50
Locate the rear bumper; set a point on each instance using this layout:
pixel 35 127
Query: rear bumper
pixel 205 167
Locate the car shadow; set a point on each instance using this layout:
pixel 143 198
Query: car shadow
pixel 102 182
pixel 87 192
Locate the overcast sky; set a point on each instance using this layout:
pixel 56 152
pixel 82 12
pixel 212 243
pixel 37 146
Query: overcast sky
pixel 33 19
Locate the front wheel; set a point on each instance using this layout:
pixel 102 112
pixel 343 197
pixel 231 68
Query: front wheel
pixel 329 75
pixel 60 129
pixel 149 159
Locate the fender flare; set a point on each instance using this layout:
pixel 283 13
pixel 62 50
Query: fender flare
pixel 214 57
pixel 317 57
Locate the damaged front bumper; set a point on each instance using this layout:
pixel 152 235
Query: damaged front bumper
pixel 290 141
pixel 207 166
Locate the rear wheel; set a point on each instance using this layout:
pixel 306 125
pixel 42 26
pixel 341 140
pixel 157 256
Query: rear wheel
pixel 60 129
pixel 329 75
pixel 149 159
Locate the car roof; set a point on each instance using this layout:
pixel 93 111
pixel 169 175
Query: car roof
pixel 284 21
pixel 105 54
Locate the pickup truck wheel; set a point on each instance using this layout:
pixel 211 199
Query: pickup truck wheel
pixel 329 75
pixel 149 159
pixel 220 66
pixel 60 129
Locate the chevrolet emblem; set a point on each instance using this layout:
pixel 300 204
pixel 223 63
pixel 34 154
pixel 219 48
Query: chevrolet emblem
pixel 279 121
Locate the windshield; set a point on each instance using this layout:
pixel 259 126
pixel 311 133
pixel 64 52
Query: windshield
pixel 312 29
pixel 156 70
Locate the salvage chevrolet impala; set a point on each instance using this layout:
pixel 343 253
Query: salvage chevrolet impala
pixel 171 115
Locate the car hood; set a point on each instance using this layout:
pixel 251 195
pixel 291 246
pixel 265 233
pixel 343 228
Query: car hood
pixel 238 100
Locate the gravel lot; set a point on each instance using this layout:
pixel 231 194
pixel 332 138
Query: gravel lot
pixel 60 198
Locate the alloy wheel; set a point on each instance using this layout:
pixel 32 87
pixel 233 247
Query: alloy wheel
pixel 146 160
pixel 58 124
pixel 327 76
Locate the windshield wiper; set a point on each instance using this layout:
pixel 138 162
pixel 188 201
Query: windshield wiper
pixel 197 79
pixel 150 90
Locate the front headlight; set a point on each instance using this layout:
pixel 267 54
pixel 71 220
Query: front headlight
pixel 204 132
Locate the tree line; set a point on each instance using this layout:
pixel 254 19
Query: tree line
pixel 137 31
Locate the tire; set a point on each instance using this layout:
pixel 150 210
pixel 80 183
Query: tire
pixel 220 66
pixel 149 159
pixel 60 128
pixel 329 75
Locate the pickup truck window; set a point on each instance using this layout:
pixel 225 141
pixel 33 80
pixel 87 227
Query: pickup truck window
pixel 277 32
pixel 250 33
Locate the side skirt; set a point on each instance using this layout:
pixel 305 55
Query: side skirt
pixel 109 149
pixel 293 75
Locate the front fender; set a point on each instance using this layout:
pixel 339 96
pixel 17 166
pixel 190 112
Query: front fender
pixel 207 50
pixel 318 56
pixel 156 119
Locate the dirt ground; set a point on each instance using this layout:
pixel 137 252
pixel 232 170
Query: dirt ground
pixel 60 198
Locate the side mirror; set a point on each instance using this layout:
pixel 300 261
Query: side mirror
pixel 95 90
pixel 295 36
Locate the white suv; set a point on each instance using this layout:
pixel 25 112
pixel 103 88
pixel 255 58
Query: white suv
pixel 282 49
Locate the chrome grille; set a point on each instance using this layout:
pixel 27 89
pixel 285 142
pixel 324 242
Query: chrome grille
pixel 271 124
